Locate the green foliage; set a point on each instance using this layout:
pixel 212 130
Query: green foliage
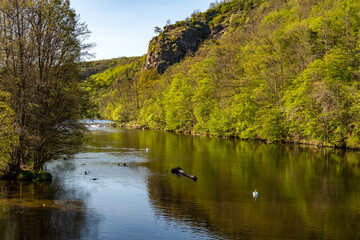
pixel 178 104
pixel 272 124
pixel 204 99
pixel 146 83
pixel 152 114
pixel 112 90
pixel 236 20
pixel 94 67
pixel 243 112
pixel 39 79
pixel 39 176
pixel 287 71
pixel 8 138
pixel 219 122
pixel 216 21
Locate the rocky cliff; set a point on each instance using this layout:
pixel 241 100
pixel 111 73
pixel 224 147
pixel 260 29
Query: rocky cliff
pixel 176 41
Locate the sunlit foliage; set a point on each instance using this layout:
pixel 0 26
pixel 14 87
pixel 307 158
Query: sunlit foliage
pixel 283 71
pixel 41 43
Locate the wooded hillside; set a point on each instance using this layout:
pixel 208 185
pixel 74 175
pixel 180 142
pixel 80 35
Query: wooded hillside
pixel 283 70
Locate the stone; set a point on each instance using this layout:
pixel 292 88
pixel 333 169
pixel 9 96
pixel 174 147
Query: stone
pixel 175 43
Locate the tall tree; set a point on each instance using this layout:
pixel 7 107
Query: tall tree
pixel 40 46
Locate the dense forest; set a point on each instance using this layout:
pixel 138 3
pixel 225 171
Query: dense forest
pixel 113 94
pixel 94 67
pixel 276 70
pixel 283 70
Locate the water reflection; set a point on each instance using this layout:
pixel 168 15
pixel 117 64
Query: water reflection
pixel 304 193
pixel 36 211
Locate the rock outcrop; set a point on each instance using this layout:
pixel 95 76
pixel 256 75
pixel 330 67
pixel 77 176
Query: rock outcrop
pixel 174 43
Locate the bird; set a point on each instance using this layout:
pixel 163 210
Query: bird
pixel 147 149
pixel 255 194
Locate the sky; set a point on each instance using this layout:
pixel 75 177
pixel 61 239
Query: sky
pixel 125 27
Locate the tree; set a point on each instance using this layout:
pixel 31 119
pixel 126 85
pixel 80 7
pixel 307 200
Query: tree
pixel 40 46
pixel 158 30
pixel 8 139
pixel 179 107
pixel 284 71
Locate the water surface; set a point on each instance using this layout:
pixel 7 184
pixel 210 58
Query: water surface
pixel 130 193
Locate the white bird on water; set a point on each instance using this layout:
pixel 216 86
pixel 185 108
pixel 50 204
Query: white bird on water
pixel 255 194
pixel 147 149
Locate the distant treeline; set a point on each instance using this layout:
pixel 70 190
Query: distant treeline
pixel 283 71
pixel 94 67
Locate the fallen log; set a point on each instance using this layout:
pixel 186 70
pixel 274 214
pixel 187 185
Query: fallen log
pixel 179 170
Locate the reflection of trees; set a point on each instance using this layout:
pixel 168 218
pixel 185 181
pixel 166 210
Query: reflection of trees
pixel 176 207
pixel 36 211
pixel 305 193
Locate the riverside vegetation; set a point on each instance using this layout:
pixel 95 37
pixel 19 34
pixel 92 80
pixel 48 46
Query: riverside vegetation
pixel 40 45
pixel 277 70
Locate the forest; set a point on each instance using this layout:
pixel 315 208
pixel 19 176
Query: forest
pixel 283 71
pixel 272 70
pixel 228 93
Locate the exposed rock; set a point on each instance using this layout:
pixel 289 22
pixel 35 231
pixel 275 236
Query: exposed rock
pixel 218 31
pixel 176 42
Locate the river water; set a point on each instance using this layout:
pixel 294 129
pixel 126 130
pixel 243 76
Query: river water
pixel 130 193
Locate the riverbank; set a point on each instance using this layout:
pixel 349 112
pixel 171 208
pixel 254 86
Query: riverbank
pixel 305 142
pixel 143 197
pixel 29 175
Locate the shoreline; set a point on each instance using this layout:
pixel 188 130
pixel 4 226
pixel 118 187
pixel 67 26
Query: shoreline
pixel 310 143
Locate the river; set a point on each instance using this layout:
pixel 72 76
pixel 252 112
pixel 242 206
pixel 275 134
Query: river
pixel 130 193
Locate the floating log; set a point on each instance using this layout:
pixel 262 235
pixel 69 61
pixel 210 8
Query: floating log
pixel 179 170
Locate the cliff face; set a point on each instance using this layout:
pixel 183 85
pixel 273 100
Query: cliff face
pixel 175 42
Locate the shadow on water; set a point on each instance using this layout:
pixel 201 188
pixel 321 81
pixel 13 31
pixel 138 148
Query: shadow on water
pixel 44 211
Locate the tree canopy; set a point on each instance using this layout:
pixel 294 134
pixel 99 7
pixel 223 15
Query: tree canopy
pixel 283 71
pixel 41 42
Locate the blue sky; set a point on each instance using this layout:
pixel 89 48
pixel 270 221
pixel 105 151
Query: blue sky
pixel 125 27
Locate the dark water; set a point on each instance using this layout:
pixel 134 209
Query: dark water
pixel 304 193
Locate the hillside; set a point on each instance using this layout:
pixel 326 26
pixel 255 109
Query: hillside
pixel 102 90
pixel 90 68
pixel 273 70
pixel 184 38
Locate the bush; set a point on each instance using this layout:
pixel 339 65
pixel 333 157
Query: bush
pixel 40 176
